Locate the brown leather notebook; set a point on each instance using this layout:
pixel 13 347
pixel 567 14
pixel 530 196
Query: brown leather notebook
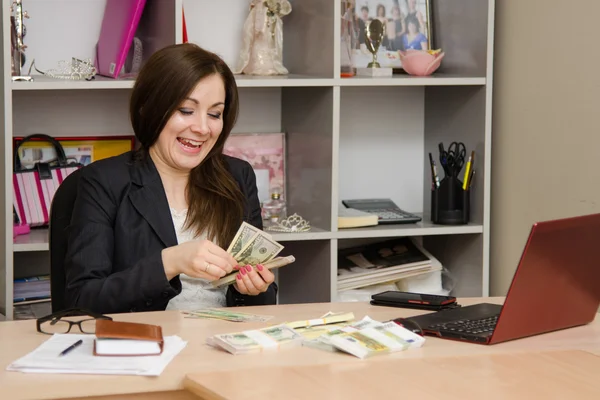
pixel 115 338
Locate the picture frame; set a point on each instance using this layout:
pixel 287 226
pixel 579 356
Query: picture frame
pixel 408 27
pixel 82 149
pixel 266 153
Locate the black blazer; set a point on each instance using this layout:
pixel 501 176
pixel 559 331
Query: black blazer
pixel 121 222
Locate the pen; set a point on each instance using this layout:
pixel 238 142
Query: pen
pixel 442 154
pixel 434 175
pixel 468 171
pixel 471 178
pixel 71 348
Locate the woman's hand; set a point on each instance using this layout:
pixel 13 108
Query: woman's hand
pixel 198 259
pixel 253 281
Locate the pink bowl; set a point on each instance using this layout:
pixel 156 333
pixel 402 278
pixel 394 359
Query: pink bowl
pixel 420 62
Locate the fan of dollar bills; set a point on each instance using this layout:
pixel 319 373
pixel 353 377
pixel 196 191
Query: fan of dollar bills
pixel 251 246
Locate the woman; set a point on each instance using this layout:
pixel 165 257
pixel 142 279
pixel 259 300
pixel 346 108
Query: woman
pixel 414 12
pixel 380 12
pixel 148 227
pixel 413 39
pixel 397 29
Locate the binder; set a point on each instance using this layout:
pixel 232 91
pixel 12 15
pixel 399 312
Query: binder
pixel 119 24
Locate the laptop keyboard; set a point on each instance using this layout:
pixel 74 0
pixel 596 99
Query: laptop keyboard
pixel 470 326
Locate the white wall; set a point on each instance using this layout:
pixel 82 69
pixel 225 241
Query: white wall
pixel 394 117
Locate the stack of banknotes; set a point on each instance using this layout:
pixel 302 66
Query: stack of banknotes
pixel 367 338
pixel 362 339
pixel 257 340
pixel 251 246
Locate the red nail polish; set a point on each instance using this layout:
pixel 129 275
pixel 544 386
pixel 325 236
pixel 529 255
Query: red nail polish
pixel 239 277
pixel 243 271
pixel 259 267
pixel 249 268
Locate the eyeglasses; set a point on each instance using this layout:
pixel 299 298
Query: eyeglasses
pixel 55 322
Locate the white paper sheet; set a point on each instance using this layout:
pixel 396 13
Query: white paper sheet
pixel 45 359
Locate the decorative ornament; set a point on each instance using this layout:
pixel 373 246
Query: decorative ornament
pixel 293 223
pixel 262 38
pixel 75 70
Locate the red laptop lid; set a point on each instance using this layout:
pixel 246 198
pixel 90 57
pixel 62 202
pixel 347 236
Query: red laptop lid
pixel 557 282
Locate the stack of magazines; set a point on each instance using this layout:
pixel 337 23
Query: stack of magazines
pixel 384 262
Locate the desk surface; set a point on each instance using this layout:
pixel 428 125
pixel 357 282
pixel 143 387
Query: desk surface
pixel 540 375
pixel 18 338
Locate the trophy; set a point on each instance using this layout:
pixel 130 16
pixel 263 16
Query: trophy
pixel 17 33
pixel 374 34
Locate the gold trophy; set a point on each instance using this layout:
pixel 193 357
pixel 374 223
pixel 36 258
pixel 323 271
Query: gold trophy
pixel 373 37
pixel 17 33
pixel 374 34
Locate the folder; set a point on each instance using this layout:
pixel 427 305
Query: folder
pixel 119 24
pixel 115 338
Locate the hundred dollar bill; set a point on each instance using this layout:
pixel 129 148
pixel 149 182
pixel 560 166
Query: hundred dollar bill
pixel 260 249
pixel 243 236
pixel 226 315
pixel 329 318
pixel 276 262
pixel 270 338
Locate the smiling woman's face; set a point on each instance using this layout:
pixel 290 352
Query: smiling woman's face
pixel 194 127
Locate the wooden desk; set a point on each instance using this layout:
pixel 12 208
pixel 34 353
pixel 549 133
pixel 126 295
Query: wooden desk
pixel 535 375
pixel 17 338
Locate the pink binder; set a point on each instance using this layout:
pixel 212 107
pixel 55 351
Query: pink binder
pixel 121 18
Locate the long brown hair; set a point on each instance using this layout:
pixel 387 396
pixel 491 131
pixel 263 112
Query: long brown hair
pixel 215 201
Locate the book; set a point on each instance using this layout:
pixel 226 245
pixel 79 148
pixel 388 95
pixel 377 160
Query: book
pixel 115 338
pixel 353 218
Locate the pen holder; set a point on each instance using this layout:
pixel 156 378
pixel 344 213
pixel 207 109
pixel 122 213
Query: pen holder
pixel 450 204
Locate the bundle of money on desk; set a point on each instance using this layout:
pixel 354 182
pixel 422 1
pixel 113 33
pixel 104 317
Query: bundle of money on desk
pixel 251 246
pixel 366 338
pixel 253 341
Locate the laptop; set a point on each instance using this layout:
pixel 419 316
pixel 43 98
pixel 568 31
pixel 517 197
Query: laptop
pixel 555 286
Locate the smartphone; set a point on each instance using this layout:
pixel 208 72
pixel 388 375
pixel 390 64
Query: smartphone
pixel 412 300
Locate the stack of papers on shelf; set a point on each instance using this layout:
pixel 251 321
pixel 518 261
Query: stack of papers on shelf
pixel 389 261
pixel 46 359
pixel 32 288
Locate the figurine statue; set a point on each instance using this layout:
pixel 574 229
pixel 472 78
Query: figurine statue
pixel 18 30
pixel 262 42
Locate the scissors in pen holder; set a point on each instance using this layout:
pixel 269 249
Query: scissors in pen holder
pixel 453 159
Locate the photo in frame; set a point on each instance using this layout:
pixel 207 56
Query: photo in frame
pixel 82 149
pixel 407 24
pixel 266 154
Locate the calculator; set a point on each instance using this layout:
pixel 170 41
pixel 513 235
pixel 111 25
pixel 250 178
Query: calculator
pixel 387 211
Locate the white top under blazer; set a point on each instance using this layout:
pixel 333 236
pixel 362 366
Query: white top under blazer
pixel 196 293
